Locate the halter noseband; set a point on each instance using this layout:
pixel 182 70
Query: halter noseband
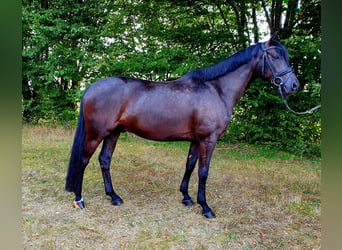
pixel 276 80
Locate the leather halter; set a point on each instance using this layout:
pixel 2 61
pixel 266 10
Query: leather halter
pixel 276 80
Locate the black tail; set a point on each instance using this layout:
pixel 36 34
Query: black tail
pixel 76 165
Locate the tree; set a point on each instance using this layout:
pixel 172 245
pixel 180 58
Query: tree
pixel 61 46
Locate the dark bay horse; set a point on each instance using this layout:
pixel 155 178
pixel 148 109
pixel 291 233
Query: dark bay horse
pixel 195 108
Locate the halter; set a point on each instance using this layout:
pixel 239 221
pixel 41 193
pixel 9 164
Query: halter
pixel 277 81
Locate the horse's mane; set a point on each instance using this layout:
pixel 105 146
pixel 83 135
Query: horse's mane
pixel 231 63
pixel 225 66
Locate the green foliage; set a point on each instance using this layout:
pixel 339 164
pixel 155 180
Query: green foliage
pixel 68 44
pixel 61 45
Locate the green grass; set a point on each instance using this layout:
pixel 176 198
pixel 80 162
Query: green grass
pixel 263 199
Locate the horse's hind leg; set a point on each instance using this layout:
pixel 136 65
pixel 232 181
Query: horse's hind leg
pixel 105 157
pixel 89 149
pixel 190 165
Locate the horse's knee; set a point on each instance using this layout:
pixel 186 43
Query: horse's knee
pixel 104 162
pixel 202 178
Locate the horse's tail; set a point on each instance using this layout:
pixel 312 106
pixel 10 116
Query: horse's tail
pixel 76 164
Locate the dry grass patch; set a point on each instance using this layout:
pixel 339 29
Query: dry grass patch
pixel 262 200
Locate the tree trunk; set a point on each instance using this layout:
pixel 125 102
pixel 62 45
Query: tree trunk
pixel 277 9
pixel 255 25
pixel 267 15
pixel 290 18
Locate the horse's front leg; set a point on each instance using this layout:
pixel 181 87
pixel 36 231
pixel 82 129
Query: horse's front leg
pixel 206 149
pixel 190 165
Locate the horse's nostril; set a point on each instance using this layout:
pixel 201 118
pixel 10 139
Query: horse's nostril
pixel 294 86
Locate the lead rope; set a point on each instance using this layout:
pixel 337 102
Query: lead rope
pixel 288 107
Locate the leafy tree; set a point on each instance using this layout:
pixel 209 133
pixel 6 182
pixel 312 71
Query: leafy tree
pixel 61 46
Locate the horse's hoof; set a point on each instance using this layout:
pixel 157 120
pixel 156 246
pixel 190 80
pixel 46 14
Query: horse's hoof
pixel 79 204
pixel 188 203
pixel 209 215
pixel 117 202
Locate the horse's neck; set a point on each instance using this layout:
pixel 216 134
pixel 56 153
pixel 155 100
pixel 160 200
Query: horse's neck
pixel 234 84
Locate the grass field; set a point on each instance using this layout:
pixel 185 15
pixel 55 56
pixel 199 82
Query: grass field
pixel 263 199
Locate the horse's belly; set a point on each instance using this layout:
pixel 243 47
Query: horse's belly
pixel 158 128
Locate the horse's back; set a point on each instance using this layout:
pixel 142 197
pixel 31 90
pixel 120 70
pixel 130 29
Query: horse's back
pixel 103 87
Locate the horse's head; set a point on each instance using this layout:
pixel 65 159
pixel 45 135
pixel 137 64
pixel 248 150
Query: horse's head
pixel 275 67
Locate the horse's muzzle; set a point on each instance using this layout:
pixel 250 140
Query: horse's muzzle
pixel 289 88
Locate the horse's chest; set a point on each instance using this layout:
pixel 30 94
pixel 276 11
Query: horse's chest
pixel 212 119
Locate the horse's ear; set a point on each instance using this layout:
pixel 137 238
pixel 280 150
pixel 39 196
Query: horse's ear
pixel 273 38
pixel 274 35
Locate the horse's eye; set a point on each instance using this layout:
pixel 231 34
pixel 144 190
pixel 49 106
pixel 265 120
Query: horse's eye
pixel 275 56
